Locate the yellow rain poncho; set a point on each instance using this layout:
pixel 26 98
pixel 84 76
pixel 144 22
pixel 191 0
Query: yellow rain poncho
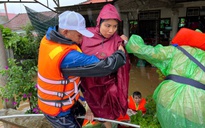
pixel 179 105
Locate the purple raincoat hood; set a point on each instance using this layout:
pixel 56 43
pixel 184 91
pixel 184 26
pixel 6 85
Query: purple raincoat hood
pixel 108 12
pixel 98 45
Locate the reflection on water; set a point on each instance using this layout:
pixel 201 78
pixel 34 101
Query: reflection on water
pixel 143 79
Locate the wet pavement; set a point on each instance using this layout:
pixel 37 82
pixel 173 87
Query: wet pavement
pixel 143 79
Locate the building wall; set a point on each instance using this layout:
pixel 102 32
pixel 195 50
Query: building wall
pixel 174 13
pixel 125 24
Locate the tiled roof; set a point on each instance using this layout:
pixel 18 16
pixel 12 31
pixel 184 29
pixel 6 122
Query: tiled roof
pixel 17 22
pixel 10 15
pixel 21 20
pixel 96 1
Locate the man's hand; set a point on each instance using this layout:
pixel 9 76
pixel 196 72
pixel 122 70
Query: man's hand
pixel 89 115
pixel 121 48
pixel 124 38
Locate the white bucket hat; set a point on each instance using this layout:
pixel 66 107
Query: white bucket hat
pixel 71 20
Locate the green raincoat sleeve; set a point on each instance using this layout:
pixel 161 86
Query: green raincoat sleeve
pixel 159 56
pixel 179 105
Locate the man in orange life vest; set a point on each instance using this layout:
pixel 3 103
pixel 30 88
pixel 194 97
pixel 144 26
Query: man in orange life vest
pixel 58 93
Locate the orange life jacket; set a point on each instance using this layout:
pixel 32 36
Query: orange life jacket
pixel 141 107
pixel 55 93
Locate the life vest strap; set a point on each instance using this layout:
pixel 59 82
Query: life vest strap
pixel 184 80
pixel 59 94
pixel 63 81
pixel 59 103
pixel 192 58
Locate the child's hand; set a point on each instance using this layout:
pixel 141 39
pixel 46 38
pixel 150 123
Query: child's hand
pixel 130 112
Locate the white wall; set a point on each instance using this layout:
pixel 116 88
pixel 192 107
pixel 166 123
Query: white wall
pixel 124 17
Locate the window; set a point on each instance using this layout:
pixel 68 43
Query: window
pixel 182 22
pixel 165 23
pixel 193 11
pixel 149 15
pixel 133 27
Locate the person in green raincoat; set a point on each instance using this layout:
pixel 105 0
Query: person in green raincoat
pixel 180 98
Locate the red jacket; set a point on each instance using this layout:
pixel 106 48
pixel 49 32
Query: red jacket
pixel 140 107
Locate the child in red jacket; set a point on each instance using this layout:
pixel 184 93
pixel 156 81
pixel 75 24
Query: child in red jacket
pixel 136 103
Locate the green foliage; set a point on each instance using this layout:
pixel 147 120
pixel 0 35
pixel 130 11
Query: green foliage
pixel 20 83
pixel 8 36
pixel 148 120
pixel 22 70
pixel 24 47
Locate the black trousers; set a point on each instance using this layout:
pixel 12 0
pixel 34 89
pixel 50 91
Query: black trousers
pixel 70 120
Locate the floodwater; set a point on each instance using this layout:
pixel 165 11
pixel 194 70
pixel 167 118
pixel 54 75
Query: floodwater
pixel 143 79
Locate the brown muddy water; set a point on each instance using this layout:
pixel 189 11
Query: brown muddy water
pixel 143 79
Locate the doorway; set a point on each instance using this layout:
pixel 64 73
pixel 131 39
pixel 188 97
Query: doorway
pixel 149 31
